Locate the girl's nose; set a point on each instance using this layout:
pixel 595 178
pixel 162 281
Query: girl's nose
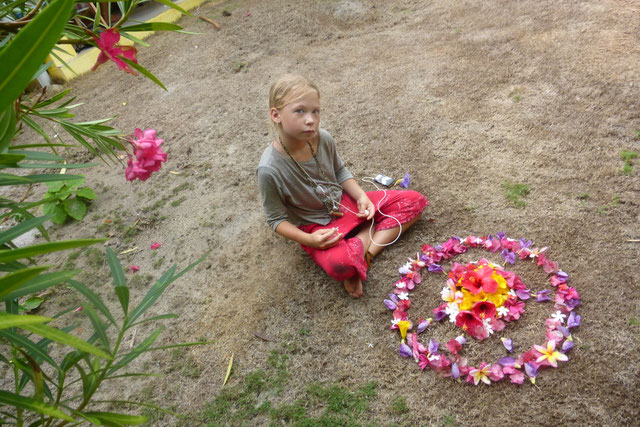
pixel 310 119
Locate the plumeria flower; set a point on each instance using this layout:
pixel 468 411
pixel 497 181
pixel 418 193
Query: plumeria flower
pixel 480 374
pixel 536 252
pixel 573 320
pixel 452 310
pixel 487 326
pixel 558 316
pixel 502 311
pixel 550 354
pixel 403 295
pixel 394 322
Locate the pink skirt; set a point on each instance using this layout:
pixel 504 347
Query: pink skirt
pixel 346 259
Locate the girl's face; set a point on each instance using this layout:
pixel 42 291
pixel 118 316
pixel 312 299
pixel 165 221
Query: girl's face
pixel 299 120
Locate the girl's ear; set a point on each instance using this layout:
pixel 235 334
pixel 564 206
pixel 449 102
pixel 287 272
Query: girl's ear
pixel 275 115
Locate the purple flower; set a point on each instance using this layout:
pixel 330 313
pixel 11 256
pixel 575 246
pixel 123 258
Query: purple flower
pixel 523 294
pixel 405 350
pixel 501 235
pixel 564 331
pixel 424 258
pixel 390 304
pixel 433 346
pixel 543 295
pixel 573 320
pixel 507 361
pixel 571 304
pixel 440 314
pixel 423 325
pixel 562 275
pixel 508 344
pixel 508 256
pixel 435 268
pixel 455 371
pixel 567 345
pixel 393 297
pixel 531 370
pixel 405 181
pixel 525 243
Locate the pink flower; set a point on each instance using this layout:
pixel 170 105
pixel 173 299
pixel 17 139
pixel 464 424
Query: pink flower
pixel 155 245
pixel 134 268
pixel 149 155
pixel 107 43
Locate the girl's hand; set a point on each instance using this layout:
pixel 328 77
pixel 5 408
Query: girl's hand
pixel 325 238
pixel 366 209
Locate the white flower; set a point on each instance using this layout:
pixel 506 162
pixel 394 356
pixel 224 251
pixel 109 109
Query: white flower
pixel 405 269
pixel 403 296
pixel 394 322
pixel 452 310
pixel 487 325
pixel 431 357
pixel 512 293
pixel 502 311
pixel 558 316
pixel 401 284
pixel 446 294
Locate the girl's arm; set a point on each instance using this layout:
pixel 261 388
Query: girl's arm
pixel 357 193
pixel 320 239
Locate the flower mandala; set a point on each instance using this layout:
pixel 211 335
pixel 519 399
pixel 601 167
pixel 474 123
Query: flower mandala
pixel 480 297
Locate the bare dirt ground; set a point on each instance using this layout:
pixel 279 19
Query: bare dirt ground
pixel 464 96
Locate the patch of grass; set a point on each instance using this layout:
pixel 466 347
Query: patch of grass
pixel 95 258
pixel 583 196
pixel 139 280
pixel 515 192
pixel 179 201
pixel 615 201
pixel 158 263
pixel 634 322
pixel 628 156
pixel 399 406
pixel 70 264
pixel 338 400
pixel 304 332
pixel 515 95
pixel 449 421
pixel 238 66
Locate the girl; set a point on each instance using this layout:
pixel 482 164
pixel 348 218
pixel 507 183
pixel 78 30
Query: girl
pixel 310 197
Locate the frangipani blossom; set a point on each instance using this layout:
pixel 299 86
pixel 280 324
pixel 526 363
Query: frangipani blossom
pixel 558 316
pixel 480 374
pixel 549 354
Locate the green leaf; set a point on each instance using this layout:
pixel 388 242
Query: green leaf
pixel 37 155
pixel 93 299
pixel 32 404
pixel 143 71
pixel 152 295
pixel 20 146
pixel 41 282
pixel 112 418
pixel 75 207
pixel 15 279
pixel 30 47
pixel 174 6
pixel 20 320
pixel 56 186
pixel 22 228
pixel 32 303
pixel 36 351
pixel 123 296
pixel 42 69
pixel 53 99
pixel 8 179
pixel 56 165
pixel 134 39
pixel 7 127
pixel 116 268
pixel 58 214
pixel 36 127
pixel 64 338
pixel 10 158
pixel 137 351
pixel 98 326
pixel 43 248
pixel 86 193
pixel 151 26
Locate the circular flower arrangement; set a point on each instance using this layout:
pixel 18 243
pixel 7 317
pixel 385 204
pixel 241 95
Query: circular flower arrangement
pixel 480 297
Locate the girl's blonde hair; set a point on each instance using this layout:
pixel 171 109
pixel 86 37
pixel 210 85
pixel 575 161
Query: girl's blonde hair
pixel 287 89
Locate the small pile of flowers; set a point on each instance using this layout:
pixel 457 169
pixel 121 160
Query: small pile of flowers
pixel 149 155
pixel 480 297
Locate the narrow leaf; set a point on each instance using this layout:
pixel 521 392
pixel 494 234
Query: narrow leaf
pixel 144 72
pixel 28 50
pixel 32 404
pixel 15 279
pixel 93 299
pixel 20 320
pixel 64 338
pixel 36 351
pixel 151 26
pixel 154 318
pixel 116 268
pixel 174 6
pixel 123 296
pixel 20 229
pixel 113 418
pixel 226 377
pixel 7 127
pixel 137 351
pixel 98 326
pixel 43 248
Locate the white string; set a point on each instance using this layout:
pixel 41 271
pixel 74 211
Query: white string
pixel 370 180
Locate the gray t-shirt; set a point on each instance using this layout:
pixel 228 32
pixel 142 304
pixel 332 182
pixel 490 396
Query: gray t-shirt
pixel 286 192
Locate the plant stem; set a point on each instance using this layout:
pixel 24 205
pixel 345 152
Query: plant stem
pixel 125 17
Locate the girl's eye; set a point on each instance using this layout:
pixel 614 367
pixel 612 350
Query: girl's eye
pixel 299 110
pixel 316 111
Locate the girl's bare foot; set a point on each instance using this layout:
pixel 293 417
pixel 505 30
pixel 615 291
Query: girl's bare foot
pixel 353 286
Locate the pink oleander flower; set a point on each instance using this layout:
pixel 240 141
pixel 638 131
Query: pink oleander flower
pixel 134 268
pixel 149 155
pixel 110 50
pixel 155 245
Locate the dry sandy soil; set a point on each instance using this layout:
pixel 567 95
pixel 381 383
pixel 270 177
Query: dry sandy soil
pixel 464 96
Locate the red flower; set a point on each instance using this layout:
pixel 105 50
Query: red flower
pixel 484 309
pixel 109 51
pixel 471 324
